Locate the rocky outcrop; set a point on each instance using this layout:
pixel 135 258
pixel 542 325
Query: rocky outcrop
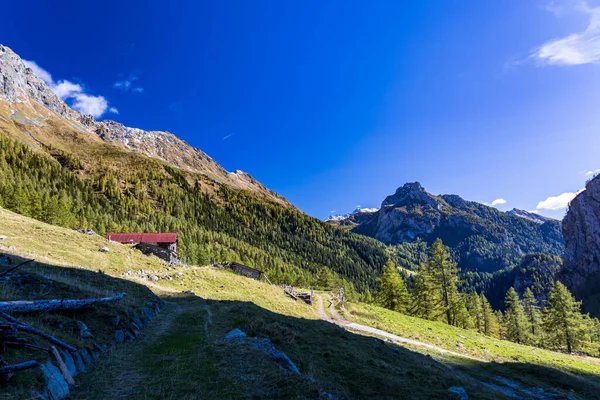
pixel 482 238
pixel 581 231
pixel 540 219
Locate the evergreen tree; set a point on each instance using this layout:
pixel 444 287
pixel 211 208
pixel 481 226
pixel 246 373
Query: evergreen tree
pixel 476 311
pixel 562 319
pixel 489 318
pixel 424 297
pixel 392 292
pixel 532 314
pixel 515 322
pixel 444 278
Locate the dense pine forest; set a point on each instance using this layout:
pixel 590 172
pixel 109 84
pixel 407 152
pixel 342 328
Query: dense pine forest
pixel 224 225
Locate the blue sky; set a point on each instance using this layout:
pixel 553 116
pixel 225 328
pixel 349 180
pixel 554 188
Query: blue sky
pixel 335 104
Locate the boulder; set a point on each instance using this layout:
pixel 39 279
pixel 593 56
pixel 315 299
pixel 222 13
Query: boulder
pixel 148 313
pixel 119 336
pixel 136 319
pixel 58 388
pixel 104 249
pixel 235 334
pixel 69 362
pixel 279 357
pixel 78 362
pixel 83 330
pixel 460 391
pixel 87 358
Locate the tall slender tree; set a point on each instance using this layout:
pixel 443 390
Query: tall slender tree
pixel 476 311
pixel 490 321
pixel 444 278
pixel 562 318
pixel 533 316
pixel 392 292
pixel 515 322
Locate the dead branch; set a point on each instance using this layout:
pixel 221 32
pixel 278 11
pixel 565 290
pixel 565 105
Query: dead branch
pixel 15 267
pixel 28 328
pixel 52 305
pixel 63 368
pixel 7 371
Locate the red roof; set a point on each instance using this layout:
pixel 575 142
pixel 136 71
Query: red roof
pixel 142 237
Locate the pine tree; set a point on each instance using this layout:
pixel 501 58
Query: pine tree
pixel 490 321
pixel 424 298
pixel 562 318
pixel 515 321
pixel 392 292
pixel 444 278
pixel 532 314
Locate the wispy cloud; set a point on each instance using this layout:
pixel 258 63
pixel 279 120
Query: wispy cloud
pixel 574 49
pixel 113 110
pixel 228 136
pixel 73 92
pixel 176 107
pixel 557 202
pixel 128 85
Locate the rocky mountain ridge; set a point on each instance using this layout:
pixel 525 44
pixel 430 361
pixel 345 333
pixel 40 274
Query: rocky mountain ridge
pixel 26 99
pixel 581 230
pixel 540 219
pixel 482 238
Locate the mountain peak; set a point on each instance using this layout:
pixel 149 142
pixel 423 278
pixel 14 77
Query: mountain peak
pixel 410 193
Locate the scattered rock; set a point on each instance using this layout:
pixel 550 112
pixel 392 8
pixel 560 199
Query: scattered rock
pixel 58 388
pixel 280 358
pixel 460 391
pixel 188 292
pixel 69 362
pixel 462 337
pixel 148 313
pixel 135 330
pixel 86 231
pixel 129 335
pixel 78 362
pixel 153 278
pixel 459 343
pixel 2 237
pixel 119 336
pixel 136 319
pixel 235 334
pixel 83 330
pixel 114 321
pixel 104 249
pixel 87 359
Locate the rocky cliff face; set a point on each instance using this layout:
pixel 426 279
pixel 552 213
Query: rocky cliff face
pixel 26 100
pixel 482 238
pixel 581 230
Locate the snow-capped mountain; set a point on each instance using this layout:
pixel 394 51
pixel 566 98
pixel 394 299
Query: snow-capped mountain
pixel 358 210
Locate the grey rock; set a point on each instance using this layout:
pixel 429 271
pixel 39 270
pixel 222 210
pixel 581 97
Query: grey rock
pixel 2 237
pixel 58 388
pixel 101 347
pixel 83 330
pixel 460 391
pixel 279 357
pixel 104 249
pixel 69 362
pixel 119 336
pixel 235 334
pixel 148 313
pixel 129 335
pixel 136 319
pixel 78 362
pixel 114 321
pixel 85 355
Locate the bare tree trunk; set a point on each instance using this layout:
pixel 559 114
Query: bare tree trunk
pixel 20 326
pixel 52 305
pixel 63 368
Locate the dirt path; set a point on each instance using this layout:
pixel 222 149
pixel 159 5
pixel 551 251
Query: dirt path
pixel 352 326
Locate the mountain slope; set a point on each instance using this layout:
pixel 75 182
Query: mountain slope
pixel 481 238
pixel 67 169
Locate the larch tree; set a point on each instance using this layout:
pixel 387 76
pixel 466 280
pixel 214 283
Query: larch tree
pixel 514 318
pixel 392 292
pixel 562 319
pixel 444 278
pixel 532 314
pixel 490 321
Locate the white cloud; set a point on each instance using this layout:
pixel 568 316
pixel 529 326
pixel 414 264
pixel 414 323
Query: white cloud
pixel 126 85
pixel 74 93
pixel 576 48
pixel 557 202
pixel 498 202
pixel 39 71
pixel 593 172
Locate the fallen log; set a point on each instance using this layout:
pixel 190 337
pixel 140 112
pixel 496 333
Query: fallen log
pixel 52 305
pixel 20 326
pixel 15 267
pixel 7 371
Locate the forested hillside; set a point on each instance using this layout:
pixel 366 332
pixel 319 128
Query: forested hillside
pixel 112 190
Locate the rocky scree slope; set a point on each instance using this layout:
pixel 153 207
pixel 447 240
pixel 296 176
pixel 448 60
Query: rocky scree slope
pixel 581 230
pixel 481 238
pixel 27 99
